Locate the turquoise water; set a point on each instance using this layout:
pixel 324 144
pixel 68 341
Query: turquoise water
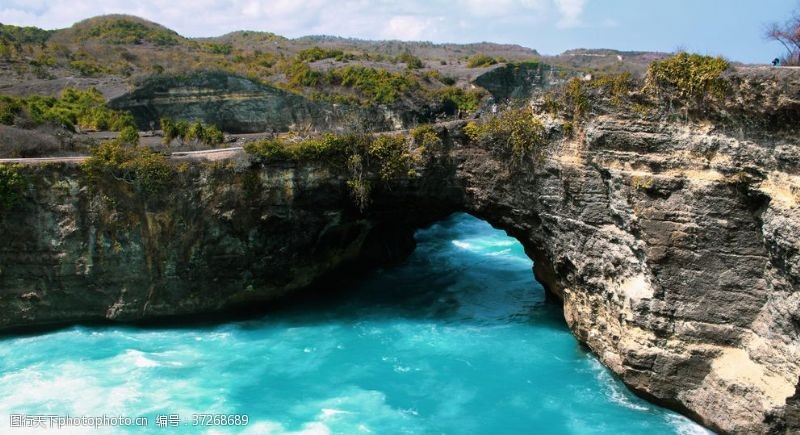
pixel 456 340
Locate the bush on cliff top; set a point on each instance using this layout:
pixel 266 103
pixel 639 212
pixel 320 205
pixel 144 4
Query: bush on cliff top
pixel 514 131
pixel 466 101
pixel 149 171
pixel 687 76
pixel 364 157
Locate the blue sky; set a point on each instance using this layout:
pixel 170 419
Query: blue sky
pixel 732 28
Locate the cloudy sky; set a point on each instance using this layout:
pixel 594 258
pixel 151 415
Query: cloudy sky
pixel 732 28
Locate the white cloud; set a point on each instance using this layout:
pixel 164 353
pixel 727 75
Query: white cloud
pixel 571 11
pixel 435 20
pixel 406 27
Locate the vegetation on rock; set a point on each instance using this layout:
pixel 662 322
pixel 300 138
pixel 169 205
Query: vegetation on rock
pixel 129 135
pixel 125 30
pixel 187 132
pixel 12 184
pixel 517 132
pixel 149 171
pixel 84 109
pixel 315 53
pixel 688 77
pixel 364 157
pixel 454 97
pixel 377 85
pixel 481 60
pixel 411 61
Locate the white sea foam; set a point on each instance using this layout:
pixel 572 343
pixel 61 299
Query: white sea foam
pixel 613 391
pixel 462 245
pixel 330 412
pixel 138 359
pixel 684 426
pixel 500 252
pixel 402 369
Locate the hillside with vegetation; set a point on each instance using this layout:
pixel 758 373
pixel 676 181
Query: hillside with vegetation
pixel 54 82
pixel 116 51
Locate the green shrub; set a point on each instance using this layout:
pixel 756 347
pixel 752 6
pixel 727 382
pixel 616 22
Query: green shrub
pixel 314 54
pixel 212 135
pixel 362 156
pixel 514 131
pixel 88 68
pixel 75 108
pixel 480 60
pixel 149 171
pixel 196 131
pixel 270 149
pixel 24 35
pixel 688 77
pixel 426 136
pixel 127 31
pixel 617 86
pixel 467 101
pixel 12 184
pixel 224 49
pixel 299 74
pixel 10 107
pixel 392 156
pixel 575 100
pixel 411 61
pixel 377 85
pixel 129 135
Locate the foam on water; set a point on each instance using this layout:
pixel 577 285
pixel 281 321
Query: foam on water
pixel 458 339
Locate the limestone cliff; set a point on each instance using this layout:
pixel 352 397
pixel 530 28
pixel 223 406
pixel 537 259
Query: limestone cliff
pixel 673 245
pixel 239 105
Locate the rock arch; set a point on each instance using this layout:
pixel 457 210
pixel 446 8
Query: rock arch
pixel 678 271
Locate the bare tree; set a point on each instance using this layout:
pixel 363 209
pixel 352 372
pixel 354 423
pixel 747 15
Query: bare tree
pixel 788 34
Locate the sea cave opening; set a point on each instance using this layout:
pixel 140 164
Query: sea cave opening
pixel 458 338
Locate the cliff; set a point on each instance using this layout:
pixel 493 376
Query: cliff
pixel 239 105
pixel 673 245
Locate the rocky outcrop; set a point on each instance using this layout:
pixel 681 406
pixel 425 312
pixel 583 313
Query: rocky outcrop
pixel 519 80
pixel 675 255
pixel 239 105
pixel 224 236
pixel 674 246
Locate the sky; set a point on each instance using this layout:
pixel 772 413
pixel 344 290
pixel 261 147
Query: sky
pixel 731 28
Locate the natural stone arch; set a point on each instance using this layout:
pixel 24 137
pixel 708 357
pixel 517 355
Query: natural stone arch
pixel 669 270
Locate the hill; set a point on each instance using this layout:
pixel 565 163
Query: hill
pixel 115 52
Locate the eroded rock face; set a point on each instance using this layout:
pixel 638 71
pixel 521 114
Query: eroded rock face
pixel 224 235
pixel 519 80
pixel 673 246
pixel 238 105
pixel 674 249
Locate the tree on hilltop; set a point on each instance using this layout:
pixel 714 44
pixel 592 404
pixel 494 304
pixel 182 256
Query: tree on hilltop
pixel 788 34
